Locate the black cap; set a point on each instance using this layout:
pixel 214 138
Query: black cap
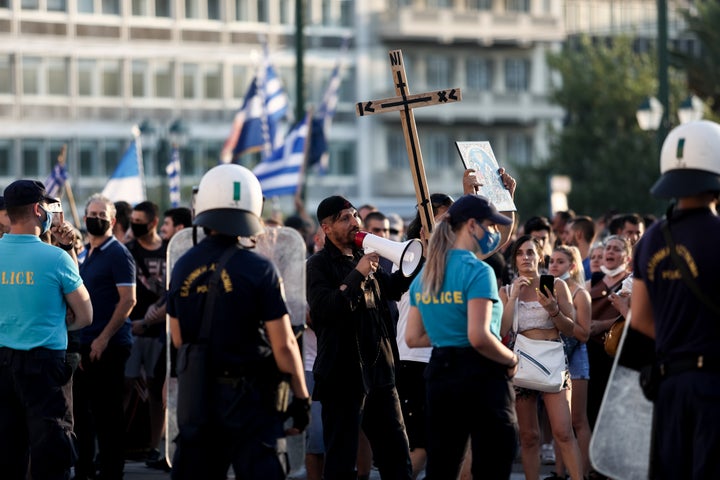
pixel 26 192
pixel 331 206
pixel 477 207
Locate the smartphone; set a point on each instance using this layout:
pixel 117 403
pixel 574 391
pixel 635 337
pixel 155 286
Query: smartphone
pixel 547 284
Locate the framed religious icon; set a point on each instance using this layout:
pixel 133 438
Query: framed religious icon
pixel 480 157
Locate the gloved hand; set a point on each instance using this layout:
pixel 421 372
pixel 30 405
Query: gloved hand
pixel 299 411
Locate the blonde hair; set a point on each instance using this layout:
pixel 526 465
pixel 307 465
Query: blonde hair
pixel 577 273
pixel 442 240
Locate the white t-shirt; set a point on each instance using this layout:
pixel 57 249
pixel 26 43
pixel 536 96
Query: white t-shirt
pixel 407 353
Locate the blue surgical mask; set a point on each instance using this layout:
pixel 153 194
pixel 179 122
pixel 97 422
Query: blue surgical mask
pixel 47 223
pixel 488 242
pixel 564 276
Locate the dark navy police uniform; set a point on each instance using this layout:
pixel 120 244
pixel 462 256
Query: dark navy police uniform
pixel 245 429
pixel 687 430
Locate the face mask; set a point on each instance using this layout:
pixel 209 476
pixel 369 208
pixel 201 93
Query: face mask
pixel 97 226
pixel 47 223
pixel 613 272
pixel 488 242
pixel 564 276
pixel 139 229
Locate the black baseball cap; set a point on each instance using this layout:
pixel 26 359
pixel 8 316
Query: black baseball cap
pixel 26 192
pixel 331 206
pixel 477 207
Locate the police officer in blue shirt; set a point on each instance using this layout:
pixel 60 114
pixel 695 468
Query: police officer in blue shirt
pixel 684 321
pixel 37 283
pixel 251 340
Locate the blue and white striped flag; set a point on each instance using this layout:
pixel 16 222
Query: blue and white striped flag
pixel 56 180
pixel 280 174
pixel 127 181
pixel 255 124
pixel 173 172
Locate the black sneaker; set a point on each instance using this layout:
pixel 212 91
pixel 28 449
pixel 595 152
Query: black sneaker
pixel 158 464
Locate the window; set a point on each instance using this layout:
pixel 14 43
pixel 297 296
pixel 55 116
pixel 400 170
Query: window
pixel 5 153
pixel 342 158
pixel 56 6
pixel 262 10
pixel 518 5
pixel 111 155
pixel 86 75
pixel 347 13
pixel 6 74
pixel 57 76
pixel 439 3
pixel 162 8
pixel 287 12
pixel 519 149
pixel 517 73
pixel 189 76
pixel 239 79
pixel 397 152
pixel 31 75
pixel 479 74
pixel 30 4
pixel 139 78
pixel 242 10
pixel 479 4
pixel 111 7
pixel 439 69
pixel 187 161
pixel 140 7
pixel 31 158
pixel 213 9
pixel 213 83
pixel 111 72
pixel 4 3
pixel 87 155
pixel 163 80
pixel 192 9
pixel 85 6
pixel 436 151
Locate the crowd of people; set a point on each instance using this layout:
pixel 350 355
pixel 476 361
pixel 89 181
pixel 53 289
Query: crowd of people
pixel 411 373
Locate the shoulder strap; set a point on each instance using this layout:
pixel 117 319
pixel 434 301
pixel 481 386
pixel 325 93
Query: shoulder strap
pixel 213 291
pixel 685 271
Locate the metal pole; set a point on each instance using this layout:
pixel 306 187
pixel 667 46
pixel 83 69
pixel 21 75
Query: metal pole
pixel 662 52
pixel 299 67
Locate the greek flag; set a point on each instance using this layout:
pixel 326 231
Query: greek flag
pixel 173 172
pixel 255 124
pixel 56 180
pixel 280 173
pixel 127 182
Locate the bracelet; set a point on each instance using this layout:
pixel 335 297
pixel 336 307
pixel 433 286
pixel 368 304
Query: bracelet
pixel 65 247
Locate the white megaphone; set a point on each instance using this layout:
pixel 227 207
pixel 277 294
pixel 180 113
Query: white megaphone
pixel 406 255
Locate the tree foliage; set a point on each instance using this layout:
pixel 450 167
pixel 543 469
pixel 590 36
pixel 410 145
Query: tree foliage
pixel 611 162
pixel 703 66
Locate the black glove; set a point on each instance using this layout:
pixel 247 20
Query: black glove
pixel 299 411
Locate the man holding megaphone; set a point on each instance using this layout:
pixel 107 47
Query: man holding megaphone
pixel 354 370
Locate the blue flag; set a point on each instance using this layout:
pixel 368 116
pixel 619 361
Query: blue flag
pixel 255 124
pixel 281 172
pixel 56 180
pixel 127 181
pixel 173 172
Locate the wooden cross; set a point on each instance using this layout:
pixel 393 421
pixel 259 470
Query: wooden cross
pixel 404 103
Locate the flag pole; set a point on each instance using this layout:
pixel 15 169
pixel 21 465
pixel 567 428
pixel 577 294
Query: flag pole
pixel 300 193
pixel 68 189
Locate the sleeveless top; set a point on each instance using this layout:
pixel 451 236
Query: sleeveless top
pixel 533 315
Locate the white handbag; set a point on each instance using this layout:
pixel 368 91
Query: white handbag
pixel 542 364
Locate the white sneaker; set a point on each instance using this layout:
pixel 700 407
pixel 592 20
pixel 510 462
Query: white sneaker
pixel 547 454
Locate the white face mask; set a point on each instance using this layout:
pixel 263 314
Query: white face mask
pixel 564 276
pixel 614 271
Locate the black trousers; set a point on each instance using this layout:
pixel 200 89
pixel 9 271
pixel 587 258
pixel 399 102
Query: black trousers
pixel 378 413
pixel 469 396
pixel 98 388
pixel 34 414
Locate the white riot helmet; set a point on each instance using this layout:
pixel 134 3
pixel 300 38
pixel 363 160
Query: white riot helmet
pixel 689 161
pixel 229 200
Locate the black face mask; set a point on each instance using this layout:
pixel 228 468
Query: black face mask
pixel 97 226
pixel 139 229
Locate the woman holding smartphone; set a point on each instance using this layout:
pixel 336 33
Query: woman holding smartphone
pixel 542 315
pixel 454 307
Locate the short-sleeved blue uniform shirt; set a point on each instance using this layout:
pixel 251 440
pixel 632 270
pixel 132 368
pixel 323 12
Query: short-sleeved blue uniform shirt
pixel 34 279
pixel 252 293
pixel 110 266
pixel 445 315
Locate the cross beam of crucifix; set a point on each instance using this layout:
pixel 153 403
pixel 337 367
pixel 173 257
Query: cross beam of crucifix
pixel 404 103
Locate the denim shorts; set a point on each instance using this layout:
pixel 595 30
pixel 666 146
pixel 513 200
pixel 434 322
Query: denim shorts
pixel 578 363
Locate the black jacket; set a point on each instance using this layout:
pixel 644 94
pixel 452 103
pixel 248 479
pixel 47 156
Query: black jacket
pixel 356 344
